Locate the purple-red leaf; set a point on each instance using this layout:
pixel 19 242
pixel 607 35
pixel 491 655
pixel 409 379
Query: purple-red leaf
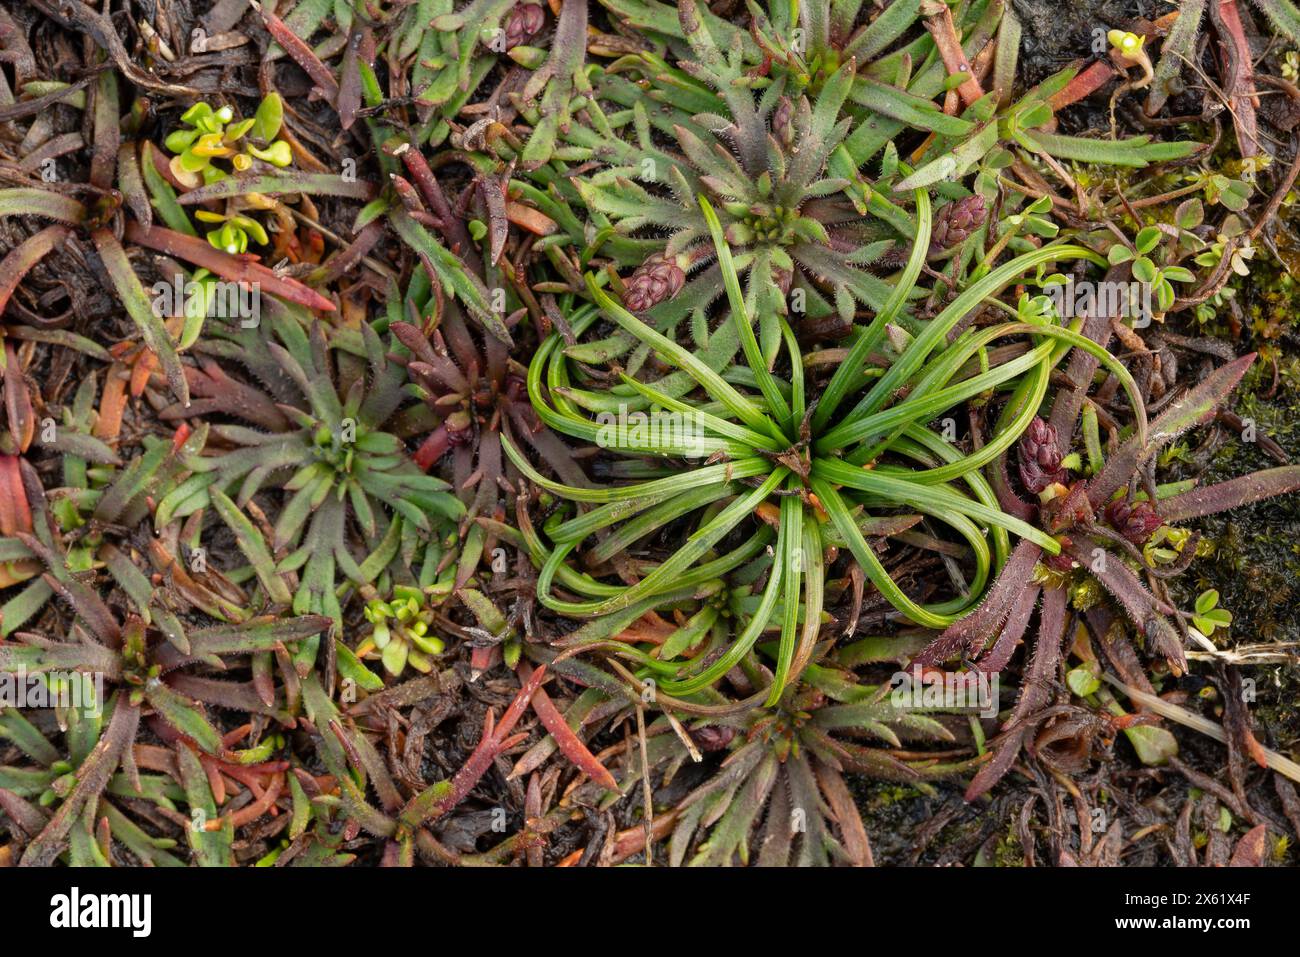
pixel 570 744
pixel 240 269
pixel 1197 406
pixel 302 54
pixel 974 630
pixel 1231 494
pixel 1143 608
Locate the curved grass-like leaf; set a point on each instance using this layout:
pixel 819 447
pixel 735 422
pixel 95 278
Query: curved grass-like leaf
pixel 848 529
pixel 1136 151
pixel 927 497
pixel 776 404
pixel 712 383
pixel 870 338
pixel 939 327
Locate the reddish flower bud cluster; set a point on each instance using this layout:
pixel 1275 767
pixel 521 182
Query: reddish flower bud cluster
pixel 1136 521
pixel 524 22
pixel 781 118
pixel 1040 459
pixel 956 221
pixel 656 280
pixel 713 737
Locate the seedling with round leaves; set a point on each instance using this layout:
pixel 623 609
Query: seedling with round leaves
pixel 1158 277
pixel 1232 240
pixel 400 633
pixel 235 231
pixel 1209 617
pixel 214 134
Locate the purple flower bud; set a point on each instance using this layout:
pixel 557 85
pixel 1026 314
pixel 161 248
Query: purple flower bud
pixel 1136 521
pixel 1040 459
pixel 956 221
pixel 524 22
pixel 781 117
pixel 656 280
pixel 713 737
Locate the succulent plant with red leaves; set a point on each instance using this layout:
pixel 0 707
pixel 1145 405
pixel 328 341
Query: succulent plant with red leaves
pixel 156 669
pixel 779 796
pixel 1102 521
pixel 476 393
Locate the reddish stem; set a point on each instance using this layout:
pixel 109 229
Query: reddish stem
pixel 1083 85
pixel 241 269
pixel 954 59
pixel 570 744
pixel 433 802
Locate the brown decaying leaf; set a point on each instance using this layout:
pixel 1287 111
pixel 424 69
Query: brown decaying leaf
pixel 18 400
pixel 1251 848
pixel 26 255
